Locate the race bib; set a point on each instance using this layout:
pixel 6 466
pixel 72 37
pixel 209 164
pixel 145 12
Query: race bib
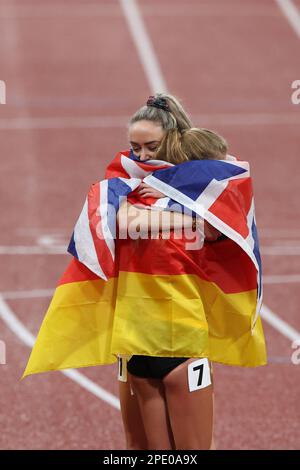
pixel 199 374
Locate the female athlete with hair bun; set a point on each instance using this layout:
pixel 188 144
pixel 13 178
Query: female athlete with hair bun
pixel 158 410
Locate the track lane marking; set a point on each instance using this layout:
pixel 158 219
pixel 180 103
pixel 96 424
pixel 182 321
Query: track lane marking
pixel 104 122
pixel 33 250
pixel 278 324
pixel 143 46
pixel 292 14
pixel 92 10
pixel 281 279
pixel 272 250
pixel 17 327
pixel 27 294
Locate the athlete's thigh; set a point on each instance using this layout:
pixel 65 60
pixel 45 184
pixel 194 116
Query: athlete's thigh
pixel 152 403
pixel 190 411
pixel 132 419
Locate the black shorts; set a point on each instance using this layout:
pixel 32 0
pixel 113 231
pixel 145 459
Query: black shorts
pixel 153 367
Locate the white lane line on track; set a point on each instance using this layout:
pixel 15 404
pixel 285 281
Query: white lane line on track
pixel 292 14
pixel 277 233
pixel 248 119
pixel 104 122
pixel 55 122
pixel 275 250
pixel 33 250
pixel 143 46
pixel 27 294
pixel 60 10
pixel 281 279
pixel 280 250
pixel 17 327
pixel 278 324
pixel 92 10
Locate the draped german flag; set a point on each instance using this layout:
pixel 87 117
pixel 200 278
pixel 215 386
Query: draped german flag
pixel 156 297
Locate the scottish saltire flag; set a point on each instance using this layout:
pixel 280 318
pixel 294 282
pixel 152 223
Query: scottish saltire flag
pixel 153 296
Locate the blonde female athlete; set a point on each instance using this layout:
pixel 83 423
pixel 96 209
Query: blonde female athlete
pixel 156 386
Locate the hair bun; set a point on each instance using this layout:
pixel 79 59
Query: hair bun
pixel 158 102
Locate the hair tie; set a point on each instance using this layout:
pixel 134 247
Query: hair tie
pixel 157 102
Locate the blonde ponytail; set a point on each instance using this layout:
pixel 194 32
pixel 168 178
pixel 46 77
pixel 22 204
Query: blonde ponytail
pixel 191 144
pixel 171 149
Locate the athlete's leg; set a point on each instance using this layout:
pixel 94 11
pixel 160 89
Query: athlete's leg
pixel 191 413
pixel 213 444
pixel 151 398
pixel 132 420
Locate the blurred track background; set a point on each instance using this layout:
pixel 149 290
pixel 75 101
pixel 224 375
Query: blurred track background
pixel 75 71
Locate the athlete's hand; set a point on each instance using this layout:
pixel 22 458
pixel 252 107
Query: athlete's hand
pixel 144 190
pixel 211 233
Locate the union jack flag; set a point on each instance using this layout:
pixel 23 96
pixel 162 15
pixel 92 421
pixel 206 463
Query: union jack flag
pixel 219 191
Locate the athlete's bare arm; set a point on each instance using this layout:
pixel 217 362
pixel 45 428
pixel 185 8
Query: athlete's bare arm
pixel 154 220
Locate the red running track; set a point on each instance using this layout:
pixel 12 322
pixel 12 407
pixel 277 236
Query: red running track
pixel 73 77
